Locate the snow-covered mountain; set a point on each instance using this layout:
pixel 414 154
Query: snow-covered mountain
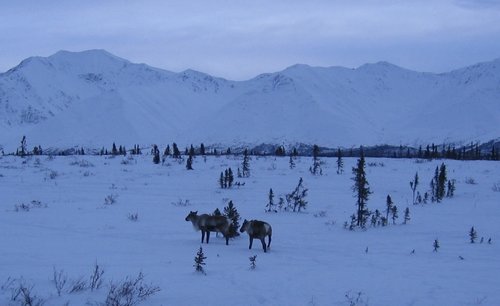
pixel 93 98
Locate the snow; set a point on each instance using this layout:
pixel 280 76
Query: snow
pixel 103 99
pixel 313 260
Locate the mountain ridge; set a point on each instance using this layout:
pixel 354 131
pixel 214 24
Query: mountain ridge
pixel 53 99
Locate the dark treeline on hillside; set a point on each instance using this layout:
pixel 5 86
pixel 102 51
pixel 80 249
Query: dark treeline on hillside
pixel 473 151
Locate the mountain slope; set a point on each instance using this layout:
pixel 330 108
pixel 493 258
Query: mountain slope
pixel 93 98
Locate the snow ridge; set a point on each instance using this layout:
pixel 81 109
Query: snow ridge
pixel 92 98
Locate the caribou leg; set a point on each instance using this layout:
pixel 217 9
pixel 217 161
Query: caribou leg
pixel 263 244
pixel 251 241
pixel 208 236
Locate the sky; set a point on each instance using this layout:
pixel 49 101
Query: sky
pixel 238 39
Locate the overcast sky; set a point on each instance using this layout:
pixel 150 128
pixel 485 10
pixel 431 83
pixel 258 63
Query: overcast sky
pixel 240 39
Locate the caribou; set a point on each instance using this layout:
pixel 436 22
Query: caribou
pixel 257 229
pixel 207 223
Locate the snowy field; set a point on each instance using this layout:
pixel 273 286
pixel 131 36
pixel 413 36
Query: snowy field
pixel 313 260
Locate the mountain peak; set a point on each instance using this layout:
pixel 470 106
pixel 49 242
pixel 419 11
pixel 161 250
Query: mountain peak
pixel 379 66
pixel 86 54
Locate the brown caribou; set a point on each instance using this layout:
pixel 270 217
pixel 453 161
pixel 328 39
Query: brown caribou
pixel 207 223
pixel 257 229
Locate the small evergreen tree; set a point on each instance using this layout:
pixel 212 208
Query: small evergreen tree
pixel 472 235
pixel 394 214
pixel 362 191
pixel 221 180
pixel 451 189
pixel 245 164
pixel 114 151
pixel 413 186
pixel 436 245
pixel 199 261
pixel 340 162
pixel 232 214
pixel 167 151
pixel 175 151
pixel 23 148
pixel 253 262
pixel 156 154
pixel 315 169
pixel 202 149
pixel 434 185
pixel 291 162
pixel 388 206
pixel 441 183
pixel 383 221
pixel 189 162
pixel 230 178
pixel 297 198
pixel 407 216
pixel 270 205
pixel 281 204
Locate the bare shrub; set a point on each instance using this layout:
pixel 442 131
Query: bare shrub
pixel 78 285
pixel 470 181
pixel 59 279
pixel 320 214
pixel 96 278
pixel 52 174
pixel 110 199
pixel 128 161
pixel 181 203
pixel 23 293
pixel 82 163
pixel 133 217
pixel 356 299
pixel 130 291
pixel 29 206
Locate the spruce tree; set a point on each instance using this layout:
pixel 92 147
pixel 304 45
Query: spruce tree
pixel 189 162
pixel 472 235
pixel 407 216
pixel 361 190
pixel 441 183
pixel 191 151
pixel 245 171
pixel 451 189
pixel 252 262
pixel 297 198
pixel 291 162
pixel 216 212
pixel 232 214
pixel 315 169
pixel 202 149
pixel 394 214
pixel 413 186
pixel 199 261
pixel 434 185
pixel 24 148
pixel 270 205
pixel 175 151
pixel 114 151
pixel 230 178
pixel 221 180
pixel 156 154
pixel 436 245
pixel 340 162
pixel 388 206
